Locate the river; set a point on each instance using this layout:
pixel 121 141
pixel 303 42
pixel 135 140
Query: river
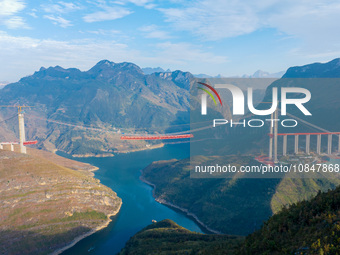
pixel 121 173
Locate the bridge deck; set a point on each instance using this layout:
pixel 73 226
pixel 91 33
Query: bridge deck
pixel 155 137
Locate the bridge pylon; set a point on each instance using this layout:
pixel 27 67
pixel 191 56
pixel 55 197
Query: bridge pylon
pixel 22 136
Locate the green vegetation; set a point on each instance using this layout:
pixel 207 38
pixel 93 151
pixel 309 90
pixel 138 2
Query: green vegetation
pixel 235 206
pixel 77 216
pixel 88 215
pixel 166 237
pixel 307 227
pixel 290 191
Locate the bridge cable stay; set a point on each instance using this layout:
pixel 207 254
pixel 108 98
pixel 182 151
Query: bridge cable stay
pixel 308 123
pixel 100 129
pixel 14 116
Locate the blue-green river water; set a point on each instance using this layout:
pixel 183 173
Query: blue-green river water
pixel 121 173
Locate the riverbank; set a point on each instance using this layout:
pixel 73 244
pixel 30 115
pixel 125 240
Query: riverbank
pixel 79 238
pixel 151 147
pixel 91 155
pixel 108 155
pixel 183 210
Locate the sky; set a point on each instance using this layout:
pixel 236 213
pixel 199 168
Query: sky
pixel 227 37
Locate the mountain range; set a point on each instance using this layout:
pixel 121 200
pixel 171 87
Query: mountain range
pixel 116 97
pixel 257 74
pixel 264 74
pixel 120 98
pixel 151 70
pixel 323 82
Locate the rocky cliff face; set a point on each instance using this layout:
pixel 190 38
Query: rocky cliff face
pixel 45 205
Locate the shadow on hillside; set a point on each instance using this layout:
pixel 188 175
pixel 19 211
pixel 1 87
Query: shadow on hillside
pixel 23 242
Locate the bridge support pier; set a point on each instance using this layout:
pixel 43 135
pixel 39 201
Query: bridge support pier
pixel 271 139
pixel 12 147
pixel 275 136
pixel 284 145
pixel 307 144
pixel 329 145
pixel 22 137
pixel 1 146
pixel 318 144
pixel 296 147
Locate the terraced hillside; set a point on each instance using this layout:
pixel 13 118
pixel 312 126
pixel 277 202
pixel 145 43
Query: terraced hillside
pixel 46 204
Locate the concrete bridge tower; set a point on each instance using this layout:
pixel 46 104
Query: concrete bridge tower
pixel 22 137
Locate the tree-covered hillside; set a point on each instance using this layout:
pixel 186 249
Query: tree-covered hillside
pixel 307 227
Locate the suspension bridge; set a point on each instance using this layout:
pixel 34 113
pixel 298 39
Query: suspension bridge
pixel 273 139
pixel 187 134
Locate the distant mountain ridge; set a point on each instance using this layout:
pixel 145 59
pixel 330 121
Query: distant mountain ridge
pixel 114 96
pixel 323 82
pixel 264 74
pixel 330 69
pixel 257 74
pixel 120 97
pixel 151 70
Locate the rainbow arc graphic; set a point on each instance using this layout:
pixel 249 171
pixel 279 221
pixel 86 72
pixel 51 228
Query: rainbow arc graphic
pixel 209 93
pixel 208 89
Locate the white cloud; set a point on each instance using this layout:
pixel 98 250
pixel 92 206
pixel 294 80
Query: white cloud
pixel 145 3
pixel 57 20
pixel 61 7
pixel 315 22
pixel 148 4
pixel 153 31
pixel 57 9
pixel 217 19
pixel 106 32
pixel 26 55
pixel 11 7
pixel 140 2
pixel 8 14
pixel 182 54
pixel 109 13
pixel 214 20
pixel 33 13
pixel 15 22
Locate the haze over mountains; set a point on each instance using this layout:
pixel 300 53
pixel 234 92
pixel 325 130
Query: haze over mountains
pixel 151 70
pixel 264 74
pixel 257 74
